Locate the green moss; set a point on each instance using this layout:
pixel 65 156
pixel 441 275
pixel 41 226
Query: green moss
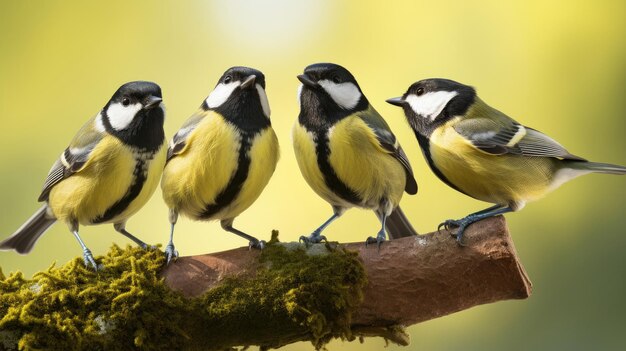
pixel 296 295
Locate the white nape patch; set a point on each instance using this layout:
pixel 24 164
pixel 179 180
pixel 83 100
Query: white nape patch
pixel 564 175
pixel 300 87
pixel 121 116
pixel 346 95
pixel 521 132
pixel 430 104
pixel 98 123
pixel 221 93
pixel 264 103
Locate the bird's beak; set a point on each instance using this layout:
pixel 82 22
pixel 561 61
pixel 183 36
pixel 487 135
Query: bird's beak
pixel 308 82
pixel 152 101
pixel 248 82
pixel 398 101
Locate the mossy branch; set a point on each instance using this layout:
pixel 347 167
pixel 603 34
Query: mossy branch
pixel 410 280
pixel 271 298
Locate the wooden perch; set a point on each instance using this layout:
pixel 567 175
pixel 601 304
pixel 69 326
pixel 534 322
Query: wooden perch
pixel 410 280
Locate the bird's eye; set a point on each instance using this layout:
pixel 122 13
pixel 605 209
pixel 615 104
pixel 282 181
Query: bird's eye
pixel 420 91
pixel 126 101
pixel 336 79
pixel 227 79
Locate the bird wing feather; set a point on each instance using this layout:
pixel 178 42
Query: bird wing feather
pixel 388 142
pixel 179 141
pixel 499 134
pixel 74 158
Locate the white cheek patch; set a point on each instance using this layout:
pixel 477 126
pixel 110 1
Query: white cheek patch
pixel 221 93
pixel 431 104
pixel 120 116
pixel 264 103
pixel 98 123
pixel 346 95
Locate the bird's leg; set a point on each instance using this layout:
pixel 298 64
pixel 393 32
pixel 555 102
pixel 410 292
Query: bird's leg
pixel 494 207
pixel 121 228
pixel 381 236
pixel 227 224
pixel 87 256
pixel 170 251
pixel 316 236
pixel 464 222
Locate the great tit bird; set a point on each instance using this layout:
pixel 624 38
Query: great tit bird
pixel 223 156
pixel 107 173
pixel 347 152
pixel 484 153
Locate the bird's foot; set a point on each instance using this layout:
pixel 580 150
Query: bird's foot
pixel 461 224
pixel 256 244
pixel 378 240
pixel 314 238
pixel 170 253
pixel 89 260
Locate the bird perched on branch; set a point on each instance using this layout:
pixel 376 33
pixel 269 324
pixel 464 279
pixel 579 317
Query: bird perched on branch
pixel 347 152
pixel 484 153
pixel 223 156
pixel 107 173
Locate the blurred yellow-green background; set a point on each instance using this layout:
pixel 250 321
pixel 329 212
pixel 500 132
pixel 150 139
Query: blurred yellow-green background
pixel 558 66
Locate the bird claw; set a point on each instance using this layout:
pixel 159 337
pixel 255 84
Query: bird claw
pixel 89 260
pixel 312 239
pixel 449 224
pixel 170 253
pixel 259 244
pixel 379 239
pixel 439 227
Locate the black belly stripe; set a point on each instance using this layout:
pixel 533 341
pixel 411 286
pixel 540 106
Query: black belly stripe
pixel 425 145
pixel 232 189
pixel 139 179
pixel 330 177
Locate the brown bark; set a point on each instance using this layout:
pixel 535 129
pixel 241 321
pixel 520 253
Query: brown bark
pixel 411 280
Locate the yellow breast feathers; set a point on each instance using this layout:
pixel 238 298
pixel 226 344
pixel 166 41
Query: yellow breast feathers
pixel 193 179
pixel 357 159
pixel 363 165
pixel 104 179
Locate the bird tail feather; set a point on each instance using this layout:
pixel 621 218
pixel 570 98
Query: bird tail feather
pixel 598 167
pixel 25 237
pixel 398 226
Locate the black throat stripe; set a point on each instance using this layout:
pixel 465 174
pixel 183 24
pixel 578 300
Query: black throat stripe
pixel 330 177
pixel 139 178
pixel 232 189
pixel 424 143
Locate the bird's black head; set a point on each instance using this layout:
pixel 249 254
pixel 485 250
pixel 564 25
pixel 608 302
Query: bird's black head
pixel 240 97
pixel 431 102
pixel 135 114
pixel 328 93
